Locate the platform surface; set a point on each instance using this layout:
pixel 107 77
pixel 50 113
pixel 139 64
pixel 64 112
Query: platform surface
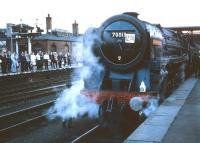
pixel 177 120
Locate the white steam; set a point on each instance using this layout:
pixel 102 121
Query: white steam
pixel 70 103
pixel 151 107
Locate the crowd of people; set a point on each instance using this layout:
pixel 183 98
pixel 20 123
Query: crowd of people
pixel 11 62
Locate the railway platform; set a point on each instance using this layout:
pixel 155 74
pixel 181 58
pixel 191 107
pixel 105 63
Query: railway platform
pixel 30 76
pixel 177 120
pixel 40 71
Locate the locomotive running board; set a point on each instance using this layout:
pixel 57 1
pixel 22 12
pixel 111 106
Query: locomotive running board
pixel 124 97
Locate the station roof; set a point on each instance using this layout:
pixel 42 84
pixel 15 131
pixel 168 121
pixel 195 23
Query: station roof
pixel 21 28
pixel 58 38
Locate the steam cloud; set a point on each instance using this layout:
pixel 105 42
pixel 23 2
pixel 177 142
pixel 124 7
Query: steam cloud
pixel 151 107
pixel 70 103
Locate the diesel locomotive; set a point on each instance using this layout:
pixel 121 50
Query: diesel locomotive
pixel 141 61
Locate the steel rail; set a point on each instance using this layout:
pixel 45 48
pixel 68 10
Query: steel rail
pixel 85 134
pixel 21 111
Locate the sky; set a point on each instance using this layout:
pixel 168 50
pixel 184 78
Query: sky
pixel 91 13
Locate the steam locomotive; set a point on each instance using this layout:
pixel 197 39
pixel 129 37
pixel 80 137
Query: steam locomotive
pixel 141 61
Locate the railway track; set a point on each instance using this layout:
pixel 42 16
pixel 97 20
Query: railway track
pixel 100 134
pixel 13 84
pixel 27 86
pixel 42 92
pixel 90 131
pixel 18 100
pixel 33 116
pixel 12 122
pixel 28 95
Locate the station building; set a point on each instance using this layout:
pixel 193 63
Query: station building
pixel 22 37
pixel 3 39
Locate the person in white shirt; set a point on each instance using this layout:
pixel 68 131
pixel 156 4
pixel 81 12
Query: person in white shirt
pixel 46 60
pixel 33 61
pixel 14 62
pixel 38 61
pixel 55 59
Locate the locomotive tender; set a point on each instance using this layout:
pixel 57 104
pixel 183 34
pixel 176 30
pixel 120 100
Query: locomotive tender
pixel 141 60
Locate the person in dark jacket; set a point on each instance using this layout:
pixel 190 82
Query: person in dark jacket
pixel 23 62
pixel 41 60
pixel 28 61
pixel 68 59
pixel 52 58
pixel 9 62
pixel 3 62
pixel 60 59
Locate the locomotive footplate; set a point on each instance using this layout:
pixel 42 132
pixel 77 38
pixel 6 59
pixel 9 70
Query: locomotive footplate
pixel 120 109
pixel 122 97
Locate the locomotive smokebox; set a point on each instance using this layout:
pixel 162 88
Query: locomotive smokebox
pixel 123 43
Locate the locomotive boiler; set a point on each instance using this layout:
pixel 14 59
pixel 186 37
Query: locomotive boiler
pixel 141 61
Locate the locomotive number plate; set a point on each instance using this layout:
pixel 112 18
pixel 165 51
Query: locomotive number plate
pixel 129 38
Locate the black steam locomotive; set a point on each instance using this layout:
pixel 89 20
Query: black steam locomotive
pixel 141 60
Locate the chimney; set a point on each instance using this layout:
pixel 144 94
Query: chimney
pixel 48 23
pixel 134 14
pixel 75 28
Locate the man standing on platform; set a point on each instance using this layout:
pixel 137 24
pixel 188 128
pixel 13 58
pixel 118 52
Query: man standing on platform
pixel 46 60
pixel 28 60
pixel 33 61
pixel 52 58
pixel 14 62
pixel 60 59
pixel 38 61
pixel 68 59
pixel 9 62
pixel 3 62
pixel 24 66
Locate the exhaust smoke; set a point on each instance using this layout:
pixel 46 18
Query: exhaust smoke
pixel 151 107
pixel 70 103
pixel 138 104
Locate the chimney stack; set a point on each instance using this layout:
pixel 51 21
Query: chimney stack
pixel 134 14
pixel 48 23
pixel 75 28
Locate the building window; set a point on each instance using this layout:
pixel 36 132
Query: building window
pixel 53 48
pixel 66 47
pixel 38 47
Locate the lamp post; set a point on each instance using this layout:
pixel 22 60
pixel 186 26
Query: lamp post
pixel 9 34
pixel 11 43
pixel 29 44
